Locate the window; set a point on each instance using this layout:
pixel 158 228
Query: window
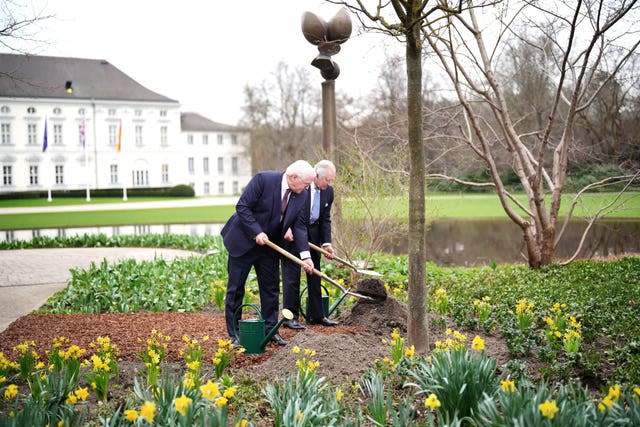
pixel 57 134
pixel 234 139
pixel 206 188
pixel 190 139
pixel 31 110
pixel 219 139
pixel 32 134
pixel 113 172
pixel 140 177
pixel 163 113
pixel 113 132
pixel 59 174
pixel 137 113
pixel 221 187
pixel 235 187
pixel 57 111
pixel 205 165
pixel 5 109
pixel 220 165
pixel 234 165
pixel 7 175
pixel 138 135
pixel 165 173
pixel 163 136
pixel 205 139
pixel 33 174
pixel 5 130
pixel 112 112
pixel 81 111
pixel 191 165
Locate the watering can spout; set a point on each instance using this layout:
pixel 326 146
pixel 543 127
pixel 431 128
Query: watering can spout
pixel 286 315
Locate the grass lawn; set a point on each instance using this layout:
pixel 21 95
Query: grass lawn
pixel 439 205
pixel 65 201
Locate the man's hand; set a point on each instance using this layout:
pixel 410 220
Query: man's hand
pixel 308 265
pixel 262 238
pixel 288 236
pixel 330 252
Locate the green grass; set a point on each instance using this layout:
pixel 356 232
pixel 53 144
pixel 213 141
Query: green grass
pixel 439 205
pixel 186 215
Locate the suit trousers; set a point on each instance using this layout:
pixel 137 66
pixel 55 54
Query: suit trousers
pixel 291 287
pixel 265 262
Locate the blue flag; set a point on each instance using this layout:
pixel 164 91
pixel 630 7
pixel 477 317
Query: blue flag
pixel 45 141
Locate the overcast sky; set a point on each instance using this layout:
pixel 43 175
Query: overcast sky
pixel 203 52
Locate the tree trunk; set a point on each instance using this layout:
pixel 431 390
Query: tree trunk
pixel 417 328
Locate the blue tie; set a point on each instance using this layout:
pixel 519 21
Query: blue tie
pixel 315 206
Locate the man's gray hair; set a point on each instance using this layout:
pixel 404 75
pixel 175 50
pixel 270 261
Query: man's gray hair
pixel 324 166
pixel 302 169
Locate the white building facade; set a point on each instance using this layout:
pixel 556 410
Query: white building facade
pixel 104 130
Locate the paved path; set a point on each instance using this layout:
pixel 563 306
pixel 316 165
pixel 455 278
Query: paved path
pixel 28 277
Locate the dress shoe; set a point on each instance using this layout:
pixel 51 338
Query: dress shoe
pixel 293 324
pixel 276 338
pixel 324 322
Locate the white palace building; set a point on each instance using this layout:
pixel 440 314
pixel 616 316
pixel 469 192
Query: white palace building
pixel 105 130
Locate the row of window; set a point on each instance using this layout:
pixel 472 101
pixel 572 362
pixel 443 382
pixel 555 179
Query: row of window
pixel 205 165
pixel 205 139
pixel 34 137
pixel 139 177
pixel 5 109
pixel 206 187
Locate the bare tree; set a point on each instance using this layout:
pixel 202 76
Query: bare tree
pixel 284 115
pixel 19 25
pixel 591 41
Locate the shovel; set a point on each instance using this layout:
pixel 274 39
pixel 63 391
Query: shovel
pixel 345 262
pixel 317 272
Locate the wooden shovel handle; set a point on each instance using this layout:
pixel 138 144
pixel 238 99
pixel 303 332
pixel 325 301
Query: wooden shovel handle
pixel 337 258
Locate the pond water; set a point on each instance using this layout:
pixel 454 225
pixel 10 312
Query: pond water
pixel 449 242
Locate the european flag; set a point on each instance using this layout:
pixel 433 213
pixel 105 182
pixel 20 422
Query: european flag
pixel 45 141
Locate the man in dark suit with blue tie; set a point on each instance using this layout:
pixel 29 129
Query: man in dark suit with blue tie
pixel 319 233
pixel 272 203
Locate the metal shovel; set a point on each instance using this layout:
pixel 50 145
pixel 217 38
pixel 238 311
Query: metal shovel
pixel 317 272
pixel 345 262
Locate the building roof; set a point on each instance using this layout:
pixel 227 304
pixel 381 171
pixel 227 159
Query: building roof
pixel 30 76
pixel 197 123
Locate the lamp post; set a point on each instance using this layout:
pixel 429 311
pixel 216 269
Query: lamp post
pixel 327 36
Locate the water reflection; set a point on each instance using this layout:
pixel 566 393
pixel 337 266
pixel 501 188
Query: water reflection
pixel 480 242
pixel 449 242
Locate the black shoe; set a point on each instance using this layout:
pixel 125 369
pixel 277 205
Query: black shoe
pixel 293 324
pixel 276 338
pixel 324 322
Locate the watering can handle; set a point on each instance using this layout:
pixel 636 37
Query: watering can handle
pixel 239 310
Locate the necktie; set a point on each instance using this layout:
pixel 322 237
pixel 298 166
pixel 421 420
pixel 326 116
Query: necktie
pixel 315 206
pixel 285 200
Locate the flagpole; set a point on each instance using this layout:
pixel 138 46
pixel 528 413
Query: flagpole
pixel 124 175
pixel 86 157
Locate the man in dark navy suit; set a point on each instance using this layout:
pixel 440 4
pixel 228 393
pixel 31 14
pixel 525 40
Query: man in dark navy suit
pixel 319 233
pixel 272 203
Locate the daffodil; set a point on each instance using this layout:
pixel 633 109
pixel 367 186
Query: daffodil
pixel 148 411
pixel 477 344
pixel 432 402
pixel 548 409
pixel 82 393
pixel 11 391
pixel 221 402
pixel 508 386
pixel 339 395
pixel 182 404
pixel 210 390
pixel 131 415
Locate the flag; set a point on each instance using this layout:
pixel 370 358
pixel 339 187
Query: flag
pixel 82 135
pixel 45 140
pixel 119 140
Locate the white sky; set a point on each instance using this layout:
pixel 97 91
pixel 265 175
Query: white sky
pixel 203 52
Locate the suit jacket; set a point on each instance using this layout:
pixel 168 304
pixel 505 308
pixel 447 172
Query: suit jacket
pixel 323 232
pixel 258 210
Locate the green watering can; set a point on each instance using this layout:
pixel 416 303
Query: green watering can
pixel 250 332
pixel 327 308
